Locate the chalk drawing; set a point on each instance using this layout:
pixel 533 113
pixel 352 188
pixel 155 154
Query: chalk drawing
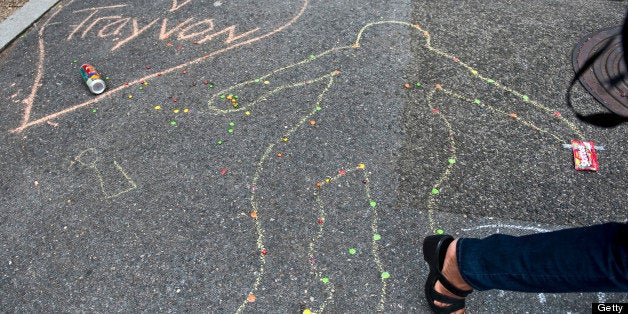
pixel 115 182
pixel 436 189
pixel 105 26
pixel 232 42
pixel 506 226
pixel 176 5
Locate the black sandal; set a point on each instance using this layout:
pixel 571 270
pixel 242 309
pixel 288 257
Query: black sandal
pixel 434 250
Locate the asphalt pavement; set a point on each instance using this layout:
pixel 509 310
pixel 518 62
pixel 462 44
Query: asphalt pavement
pixel 290 156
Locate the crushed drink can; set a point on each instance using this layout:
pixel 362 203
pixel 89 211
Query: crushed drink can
pixel 91 77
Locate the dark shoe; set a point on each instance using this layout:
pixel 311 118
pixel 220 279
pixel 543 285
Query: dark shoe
pixel 434 251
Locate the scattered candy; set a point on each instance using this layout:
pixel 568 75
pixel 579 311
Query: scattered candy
pixel 377 237
pixel 251 298
pixel 525 97
pixel 373 203
pixel 312 122
pixel 264 252
pixel 385 275
pixel 307 311
pixel 435 191
pixel 440 231
pixel 342 172
pixel 253 214
pixel 223 171
pixel 352 251
pixel 325 279
pixel 158 107
pixel 452 161
pixel 407 85
pixel 455 59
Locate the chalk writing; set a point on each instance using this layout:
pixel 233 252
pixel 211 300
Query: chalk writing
pixel 177 6
pixel 231 38
pixel 117 27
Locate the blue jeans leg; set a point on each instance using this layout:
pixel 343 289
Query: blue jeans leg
pixel 587 259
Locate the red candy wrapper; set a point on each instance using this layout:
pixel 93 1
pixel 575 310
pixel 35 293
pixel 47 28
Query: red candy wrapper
pixel 584 155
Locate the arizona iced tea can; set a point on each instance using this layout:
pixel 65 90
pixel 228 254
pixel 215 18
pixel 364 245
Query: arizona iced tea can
pixel 95 84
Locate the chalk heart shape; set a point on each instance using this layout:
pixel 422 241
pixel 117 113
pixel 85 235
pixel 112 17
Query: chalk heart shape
pixel 137 43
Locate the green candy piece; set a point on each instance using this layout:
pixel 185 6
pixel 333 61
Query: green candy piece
pixel 526 98
pixel 452 161
pixel 435 191
pixel 373 203
pixel 377 237
pixel 418 84
pixel 325 280
pixel 173 123
pixel 312 56
pixel 230 130
pixel 385 275
pixel 440 231
pixel 352 251
pixel 476 101
pixel 231 124
pixel 490 81
pixel 318 108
